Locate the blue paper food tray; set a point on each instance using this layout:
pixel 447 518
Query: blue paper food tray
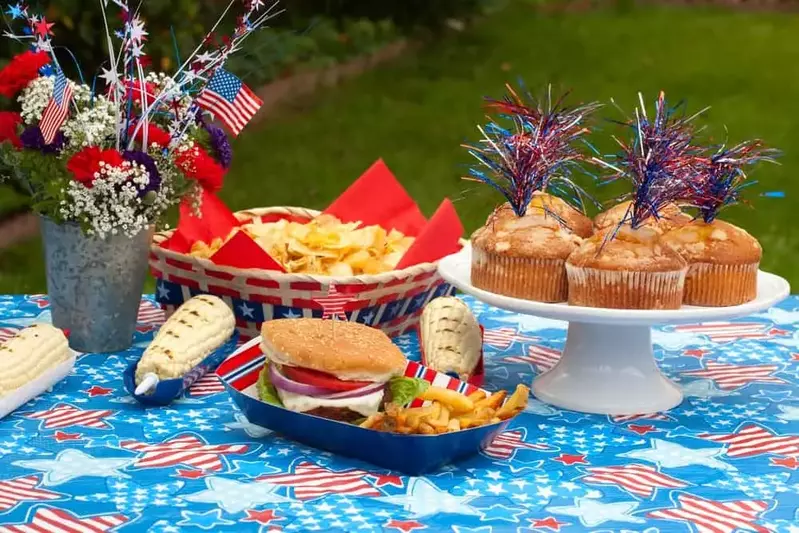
pixel 409 454
pixel 170 389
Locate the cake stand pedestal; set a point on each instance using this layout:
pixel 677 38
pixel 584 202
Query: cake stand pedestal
pixel 608 365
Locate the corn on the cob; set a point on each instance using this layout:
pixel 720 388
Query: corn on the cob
pixel 195 330
pixel 29 354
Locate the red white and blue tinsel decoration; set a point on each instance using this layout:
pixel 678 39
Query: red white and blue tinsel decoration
pixel 660 161
pixel 722 177
pixel 538 152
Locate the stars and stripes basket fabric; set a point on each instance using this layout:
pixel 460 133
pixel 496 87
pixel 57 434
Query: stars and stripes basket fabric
pixel 392 301
pixel 86 457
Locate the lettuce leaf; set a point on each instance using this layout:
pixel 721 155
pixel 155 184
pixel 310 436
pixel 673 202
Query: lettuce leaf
pixel 267 391
pixel 404 390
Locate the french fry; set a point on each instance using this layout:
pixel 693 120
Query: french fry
pixel 516 403
pixel 372 421
pixel 456 401
pixel 454 425
pixel 477 395
pixel 426 429
pixel 493 401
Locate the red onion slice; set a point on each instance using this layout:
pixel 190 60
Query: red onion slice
pixel 282 382
pixel 363 391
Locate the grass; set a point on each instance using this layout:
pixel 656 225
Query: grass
pixel 416 112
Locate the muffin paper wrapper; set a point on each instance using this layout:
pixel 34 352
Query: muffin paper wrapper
pixel 591 287
pixel 720 285
pixel 542 280
pixel 409 454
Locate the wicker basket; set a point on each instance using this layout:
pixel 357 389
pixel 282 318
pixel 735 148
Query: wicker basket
pixel 391 301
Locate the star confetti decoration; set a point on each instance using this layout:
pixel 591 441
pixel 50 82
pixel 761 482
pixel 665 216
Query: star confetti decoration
pixel 43 28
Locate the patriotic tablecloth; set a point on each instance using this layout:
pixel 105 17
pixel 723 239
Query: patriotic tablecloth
pixel 87 458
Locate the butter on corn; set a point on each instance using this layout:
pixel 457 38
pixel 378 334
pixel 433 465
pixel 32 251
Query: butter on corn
pixel 29 354
pixel 197 328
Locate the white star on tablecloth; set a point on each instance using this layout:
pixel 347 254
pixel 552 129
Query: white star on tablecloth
pixel 422 498
pixel 234 496
pixel 71 464
pixel 672 455
pixel 252 430
pixel 592 512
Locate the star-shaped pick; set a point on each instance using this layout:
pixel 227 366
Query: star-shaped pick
pixel 335 303
pixel 72 464
pixel 17 11
pixel 42 27
pixel 234 496
pixel 592 512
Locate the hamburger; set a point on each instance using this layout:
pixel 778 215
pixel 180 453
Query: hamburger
pixel 339 370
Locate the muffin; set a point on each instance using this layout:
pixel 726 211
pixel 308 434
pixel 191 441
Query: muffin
pixel 522 257
pixel 670 217
pixel 723 261
pixel 632 270
pixel 546 204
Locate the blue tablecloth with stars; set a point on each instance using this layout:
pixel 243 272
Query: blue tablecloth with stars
pixel 86 457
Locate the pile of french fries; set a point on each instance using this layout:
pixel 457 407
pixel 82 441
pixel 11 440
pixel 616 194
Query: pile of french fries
pixel 449 411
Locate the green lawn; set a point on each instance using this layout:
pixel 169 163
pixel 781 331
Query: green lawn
pixel 416 112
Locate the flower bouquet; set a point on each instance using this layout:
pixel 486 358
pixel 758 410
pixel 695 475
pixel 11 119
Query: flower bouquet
pixel 103 162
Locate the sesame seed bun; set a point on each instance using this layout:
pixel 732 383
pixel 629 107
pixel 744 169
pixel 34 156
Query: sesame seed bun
pixel 346 350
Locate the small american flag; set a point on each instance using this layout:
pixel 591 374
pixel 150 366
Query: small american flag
pixel 728 376
pixel 638 480
pixel 753 440
pixel 57 109
pixel 207 385
pixel 229 100
pixel 313 481
pixel 52 519
pixel 150 314
pixel 334 304
pixel 710 516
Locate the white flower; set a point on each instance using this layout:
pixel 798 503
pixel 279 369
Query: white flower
pixel 34 98
pixel 93 125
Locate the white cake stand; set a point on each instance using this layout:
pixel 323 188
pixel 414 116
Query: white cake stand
pixel 608 365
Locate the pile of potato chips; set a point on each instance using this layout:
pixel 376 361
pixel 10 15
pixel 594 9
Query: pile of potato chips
pixel 324 246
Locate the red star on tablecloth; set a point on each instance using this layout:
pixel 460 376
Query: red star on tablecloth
pixel 571 459
pixel 549 522
pixel 190 473
pixel 261 517
pixel 795 357
pixel 787 462
pixel 406 526
pixel 183 450
pixel 47 519
pixel 715 516
pixel 642 429
pixel 23 489
pixel 777 332
pixel 65 415
pixel 42 27
pixel 96 390
pixel 698 353
pixel 752 440
pixel 387 479
pixel 61 436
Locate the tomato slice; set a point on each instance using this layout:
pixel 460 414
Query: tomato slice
pixel 320 379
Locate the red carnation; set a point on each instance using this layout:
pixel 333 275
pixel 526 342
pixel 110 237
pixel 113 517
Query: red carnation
pixel 198 165
pixel 154 135
pixel 9 128
pixel 22 69
pixel 134 89
pixel 86 163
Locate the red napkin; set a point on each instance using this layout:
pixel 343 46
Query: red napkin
pixel 215 220
pixel 243 252
pixel 377 198
pixel 437 239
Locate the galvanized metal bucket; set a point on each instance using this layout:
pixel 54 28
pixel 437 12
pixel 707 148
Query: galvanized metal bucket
pixel 95 285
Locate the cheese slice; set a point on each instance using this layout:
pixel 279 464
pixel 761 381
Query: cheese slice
pixel 365 405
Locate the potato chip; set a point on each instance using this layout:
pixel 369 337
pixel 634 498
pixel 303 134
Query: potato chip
pixel 324 245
